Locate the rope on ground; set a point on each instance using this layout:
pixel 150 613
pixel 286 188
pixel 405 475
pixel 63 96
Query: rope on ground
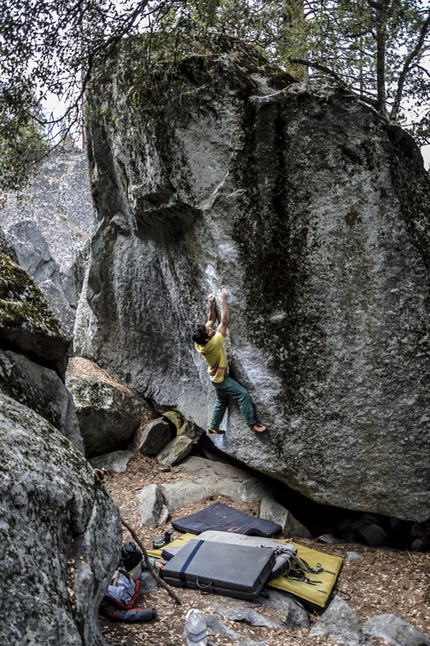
pixel 160 582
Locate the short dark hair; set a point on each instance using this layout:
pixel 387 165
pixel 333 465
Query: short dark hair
pixel 200 335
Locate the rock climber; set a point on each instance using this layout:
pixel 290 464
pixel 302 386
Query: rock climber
pixel 210 344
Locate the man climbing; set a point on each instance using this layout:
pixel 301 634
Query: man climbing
pixel 211 345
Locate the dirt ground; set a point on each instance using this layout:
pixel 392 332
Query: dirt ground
pixel 382 581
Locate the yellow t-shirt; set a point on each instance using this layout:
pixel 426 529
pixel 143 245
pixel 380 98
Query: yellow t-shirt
pixel 214 353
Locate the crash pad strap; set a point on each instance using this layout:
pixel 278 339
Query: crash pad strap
pixel 189 559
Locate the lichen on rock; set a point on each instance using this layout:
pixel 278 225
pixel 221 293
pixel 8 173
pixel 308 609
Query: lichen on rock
pixel 26 321
pixel 60 535
pixel 22 303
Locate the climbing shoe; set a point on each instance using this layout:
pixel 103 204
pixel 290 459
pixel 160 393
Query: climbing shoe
pixel 215 431
pixel 158 543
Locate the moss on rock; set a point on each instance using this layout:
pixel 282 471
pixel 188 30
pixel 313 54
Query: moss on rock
pixel 156 72
pixel 22 304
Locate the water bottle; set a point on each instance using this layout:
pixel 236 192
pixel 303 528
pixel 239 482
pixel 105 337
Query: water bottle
pixel 196 628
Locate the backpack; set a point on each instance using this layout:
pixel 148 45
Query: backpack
pixel 131 560
pixel 123 589
pixel 120 597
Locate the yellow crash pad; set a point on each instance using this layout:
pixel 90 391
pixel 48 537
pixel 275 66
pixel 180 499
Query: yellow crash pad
pixel 317 593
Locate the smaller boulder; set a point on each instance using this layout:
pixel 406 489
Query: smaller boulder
pixel 117 461
pixel 151 505
pixel 395 631
pixel 272 510
pixel 153 437
pixel 109 412
pixel 27 323
pixel 373 534
pixel 252 490
pixel 339 622
pixel 182 425
pixel 201 478
pixel 41 389
pixel 296 616
pixel 176 450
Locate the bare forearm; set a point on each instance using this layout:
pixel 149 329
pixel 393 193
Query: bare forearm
pixel 212 316
pixel 225 314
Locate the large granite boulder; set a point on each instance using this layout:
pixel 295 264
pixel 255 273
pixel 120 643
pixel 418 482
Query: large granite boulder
pixel 60 532
pixel 60 535
pixel 313 211
pixel 49 224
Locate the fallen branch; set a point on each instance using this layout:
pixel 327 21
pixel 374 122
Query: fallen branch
pixel 160 582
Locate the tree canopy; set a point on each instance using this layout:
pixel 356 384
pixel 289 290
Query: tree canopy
pixel 377 48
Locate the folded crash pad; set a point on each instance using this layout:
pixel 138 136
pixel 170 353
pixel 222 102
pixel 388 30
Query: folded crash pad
pixel 284 552
pixel 316 590
pixel 227 519
pixel 239 571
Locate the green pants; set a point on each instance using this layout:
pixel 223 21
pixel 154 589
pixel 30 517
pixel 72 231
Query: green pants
pixel 229 388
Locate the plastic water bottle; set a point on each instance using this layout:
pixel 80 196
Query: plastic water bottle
pixel 196 628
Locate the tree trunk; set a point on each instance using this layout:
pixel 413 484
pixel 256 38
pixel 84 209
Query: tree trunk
pixel 381 10
pixel 293 14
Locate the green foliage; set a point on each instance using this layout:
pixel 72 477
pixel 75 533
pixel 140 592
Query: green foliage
pixel 22 142
pixel 50 46
pixel 377 48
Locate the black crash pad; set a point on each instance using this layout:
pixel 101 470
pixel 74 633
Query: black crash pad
pixel 239 571
pixel 226 519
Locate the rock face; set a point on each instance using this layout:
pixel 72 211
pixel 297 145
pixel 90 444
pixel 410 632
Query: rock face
pixel 60 532
pixel 49 225
pixel 313 212
pixel 42 390
pixel 60 535
pixel 33 351
pixel 340 623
